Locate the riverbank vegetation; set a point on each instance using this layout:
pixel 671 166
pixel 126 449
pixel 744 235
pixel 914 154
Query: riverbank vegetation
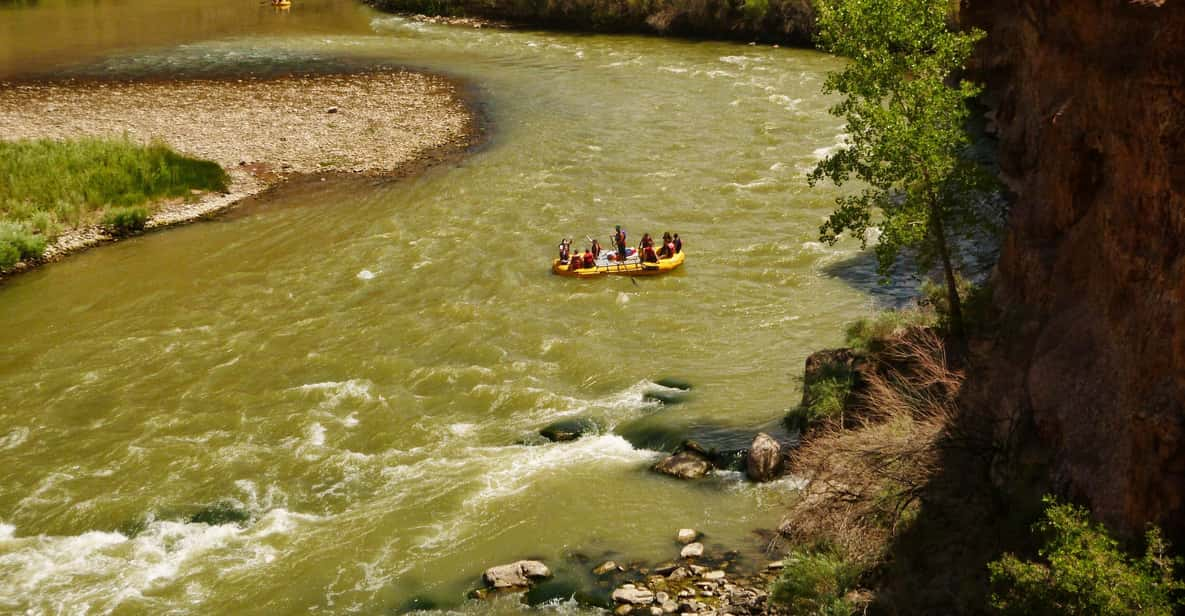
pixel 773 21
pixel 906 119
pixel 898 475
pixel 52 185
pixel 1081 569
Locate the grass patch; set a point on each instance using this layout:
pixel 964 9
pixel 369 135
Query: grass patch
pixel 19 241
pixel 871 334
pixel 46 185
pixel 125 220
pixel 1081 570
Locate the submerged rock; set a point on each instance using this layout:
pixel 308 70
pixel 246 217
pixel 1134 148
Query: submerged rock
pixel 567 430
pixel 674 383
pixel 692 550
pixel 606 567
pixel 685 465
pixel 219 514
pixel 764 462
pixel 520 574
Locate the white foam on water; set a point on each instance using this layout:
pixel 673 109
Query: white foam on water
pixel 840 141
pixel 365 275
pixel 506 477
pixel 316 435
pixel 737 60
pixel 351 420
pixel 623 298
pixel 678 70
pixel 506 471
pixel 100 570
pixel 7 531
pixel 462 429
pixel 338 391
pixel 758 183
pixel 14 438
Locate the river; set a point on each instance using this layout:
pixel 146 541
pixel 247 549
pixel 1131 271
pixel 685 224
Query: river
pixel 353 371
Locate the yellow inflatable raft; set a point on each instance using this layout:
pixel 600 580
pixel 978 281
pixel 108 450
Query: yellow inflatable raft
pixel 631 267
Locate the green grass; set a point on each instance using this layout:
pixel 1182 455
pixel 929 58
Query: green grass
pixel 870 334
pixel 47 185
pixel 816 582
pixel 827 395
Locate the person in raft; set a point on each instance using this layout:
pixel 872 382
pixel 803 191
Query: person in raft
pixel 678 243
pixel 589 259
pixel 619 241
pixel 565 249
pixel 668 247
pixel 596 250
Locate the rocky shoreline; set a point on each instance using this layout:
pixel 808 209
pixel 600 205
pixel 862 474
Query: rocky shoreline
pixel 263 131
pixel 693 583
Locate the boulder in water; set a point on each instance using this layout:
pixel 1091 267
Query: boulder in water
pixel 519 574
pixel 673 383
pixel 686 464
pixel 566 430
pixel 633 596
pixel 764 462
pixel 692 550
pixel 687 535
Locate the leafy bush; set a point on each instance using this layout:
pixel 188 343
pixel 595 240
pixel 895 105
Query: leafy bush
pixel 870 334
pixel 9 255
pixel 816 582
pixel 19 240
pixel 1082 571
pixel 976 299
pixel 125 220
pixel 826 398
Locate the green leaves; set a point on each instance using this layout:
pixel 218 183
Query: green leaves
pixel 1082 571
pixel 905 123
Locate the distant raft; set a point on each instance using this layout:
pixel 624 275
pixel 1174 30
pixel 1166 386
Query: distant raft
pixel 605 266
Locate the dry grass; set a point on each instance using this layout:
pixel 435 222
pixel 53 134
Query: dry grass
pixel 866 482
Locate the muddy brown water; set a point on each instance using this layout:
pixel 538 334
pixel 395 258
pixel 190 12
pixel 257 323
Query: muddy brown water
pixel 328 403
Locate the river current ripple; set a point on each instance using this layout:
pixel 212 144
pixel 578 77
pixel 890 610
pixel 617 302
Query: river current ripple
pixel 353 376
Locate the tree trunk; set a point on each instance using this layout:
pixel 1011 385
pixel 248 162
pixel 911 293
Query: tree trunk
pixel 952 285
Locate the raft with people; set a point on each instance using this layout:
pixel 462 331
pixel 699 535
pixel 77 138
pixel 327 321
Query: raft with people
pixel 645 260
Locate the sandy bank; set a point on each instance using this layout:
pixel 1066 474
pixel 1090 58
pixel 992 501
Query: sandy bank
pixel 260 130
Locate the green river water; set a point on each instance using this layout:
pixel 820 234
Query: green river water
pixel 327 366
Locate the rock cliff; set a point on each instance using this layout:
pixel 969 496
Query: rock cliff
pixel 1089 101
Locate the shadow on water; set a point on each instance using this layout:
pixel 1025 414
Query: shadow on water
pixel 859 271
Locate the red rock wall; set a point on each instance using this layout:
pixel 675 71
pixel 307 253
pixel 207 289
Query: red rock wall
pixel 1090 105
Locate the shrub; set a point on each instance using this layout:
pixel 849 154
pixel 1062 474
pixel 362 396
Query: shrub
pixel 870 334
pixel 865 482
pixel 826 398
pixel 19 240
pixel 977 303
pixel 125 220
pixel 1082 571
pixel 816 582
pixel 9 255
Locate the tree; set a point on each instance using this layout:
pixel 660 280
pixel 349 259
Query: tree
pixel 906 134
